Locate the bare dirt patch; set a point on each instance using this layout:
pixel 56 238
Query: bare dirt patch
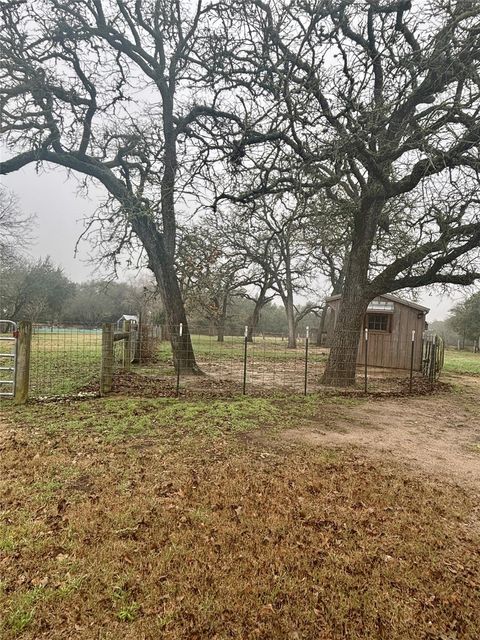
pixel 438 434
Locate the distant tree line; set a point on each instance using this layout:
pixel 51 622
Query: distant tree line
pixel 38 290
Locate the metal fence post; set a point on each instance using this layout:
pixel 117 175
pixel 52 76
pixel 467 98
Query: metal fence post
pixel 127 345
pixel 411 360
pixel 22 371
pixel 366 360
pixel 179 360
pixel 245 347
pixel 306 362
pixel 106 369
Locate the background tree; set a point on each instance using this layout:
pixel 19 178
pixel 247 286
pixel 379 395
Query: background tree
pixel 35 291
pixel 209 276
pixel 15 226
pixel 99 301
pixel 270 233
pixel 465 319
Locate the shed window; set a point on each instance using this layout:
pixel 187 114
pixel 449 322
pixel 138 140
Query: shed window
pixel 378 322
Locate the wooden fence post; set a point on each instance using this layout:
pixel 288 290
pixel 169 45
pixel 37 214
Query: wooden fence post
pixel 22 371
pixel 106 370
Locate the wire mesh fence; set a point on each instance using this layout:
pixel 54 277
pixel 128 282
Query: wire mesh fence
pixel 64 359
pixel 67 360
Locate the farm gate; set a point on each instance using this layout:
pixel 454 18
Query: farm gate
pixel 8 358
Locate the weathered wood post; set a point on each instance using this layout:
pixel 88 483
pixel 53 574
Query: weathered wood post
pixel 127 345
pixel 22 371
pixel 106 370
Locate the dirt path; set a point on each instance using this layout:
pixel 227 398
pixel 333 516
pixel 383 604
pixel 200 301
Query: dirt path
pixel 437 434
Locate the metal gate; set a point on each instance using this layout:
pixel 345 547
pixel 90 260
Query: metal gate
pixel 8 358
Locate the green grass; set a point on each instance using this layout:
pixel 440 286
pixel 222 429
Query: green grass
pixel 23 610
pixel 115 418
pixel 21 613
pixel 462 362
pixel 268 349
pixel 131 518
pixel 63 363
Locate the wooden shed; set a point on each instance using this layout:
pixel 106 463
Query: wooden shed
pixel 390 321
pixel 127 318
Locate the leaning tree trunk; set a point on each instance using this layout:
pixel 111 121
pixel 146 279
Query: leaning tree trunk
pixel 163 267
pixel 252 321
pixel 182 348
pixel 342 361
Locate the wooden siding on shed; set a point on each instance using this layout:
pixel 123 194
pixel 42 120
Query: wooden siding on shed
pixel 390 349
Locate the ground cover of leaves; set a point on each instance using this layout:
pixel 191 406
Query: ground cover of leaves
pixel 147 518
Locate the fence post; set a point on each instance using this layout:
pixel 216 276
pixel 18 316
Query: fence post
pixel 245 346
pixel 179 362
pixel 433 361
pixel 106 370
pixel 411 360
pixel 22 369
pixel 366 360
pixel 127 345
pixel 306 361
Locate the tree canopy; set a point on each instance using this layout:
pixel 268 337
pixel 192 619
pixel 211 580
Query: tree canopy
pixel 465 318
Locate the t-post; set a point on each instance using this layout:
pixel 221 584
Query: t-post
pixel 307 335
pixel 366 360
pixel 179 360
pixel 411 360
pixel 245 346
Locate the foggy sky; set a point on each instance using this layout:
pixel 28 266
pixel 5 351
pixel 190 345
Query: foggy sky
pixel 60 211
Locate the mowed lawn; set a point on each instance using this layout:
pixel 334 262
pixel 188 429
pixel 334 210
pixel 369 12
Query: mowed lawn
pixel 135 518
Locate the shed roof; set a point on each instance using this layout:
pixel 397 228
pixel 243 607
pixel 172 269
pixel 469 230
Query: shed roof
pixel 392 298
pixel 128 317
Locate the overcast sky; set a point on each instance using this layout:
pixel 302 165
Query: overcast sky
pixel 60 211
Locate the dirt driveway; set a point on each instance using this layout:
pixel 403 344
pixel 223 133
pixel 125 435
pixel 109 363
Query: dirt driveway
pixel 438 434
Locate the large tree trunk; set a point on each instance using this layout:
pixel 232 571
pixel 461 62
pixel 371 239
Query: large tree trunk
pixel 342 361
pixel 182 348
pixel 253 320
pixel 292 326
pixel 160 248
pixel 163 267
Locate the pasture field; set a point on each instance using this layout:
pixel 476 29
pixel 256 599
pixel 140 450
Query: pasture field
pixel 241 517
pixel 462 362
pixel 63 362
